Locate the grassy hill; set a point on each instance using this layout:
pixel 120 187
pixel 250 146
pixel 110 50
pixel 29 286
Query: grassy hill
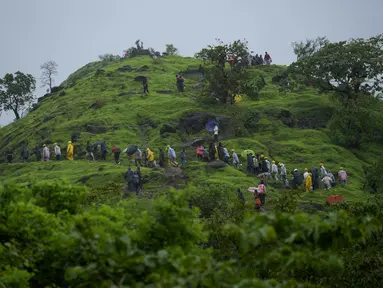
pixel 98 103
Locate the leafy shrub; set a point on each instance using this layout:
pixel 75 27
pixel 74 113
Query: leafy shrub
pixel 57 197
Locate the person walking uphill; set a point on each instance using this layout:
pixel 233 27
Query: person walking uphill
pixel 69 151
pixel 104 151
pixel 116 152
pixel 315 178
pixel 57 150
pixel 145 85
pixel 216 129
pixel 9 155
pixel 308 182
pixel 150 157
pixel 46 153
pixel 342 175
pixel 162 158
pixel 183 158
pixel 235 158
pixel 24 154
pixel 89 151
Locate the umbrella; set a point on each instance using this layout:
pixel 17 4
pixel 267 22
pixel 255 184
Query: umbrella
pixel 131 149
pixel 252 189
pixel 245 152
pixel 335 199
pixel 210 125
pixel 198 142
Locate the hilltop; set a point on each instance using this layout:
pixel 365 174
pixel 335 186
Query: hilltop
pixel 103 101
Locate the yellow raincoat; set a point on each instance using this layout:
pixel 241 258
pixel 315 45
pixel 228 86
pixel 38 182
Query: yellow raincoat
pixel 237 98
pixel 309 182
pixel 69 151
pixel 150 154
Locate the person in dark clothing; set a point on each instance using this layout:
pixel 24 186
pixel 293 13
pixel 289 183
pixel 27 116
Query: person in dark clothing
pixel 250 164
pixel 221 154
pixel 24 154
pixel 89 151
pixel 145 85
pixel 9 155
pixel 315 178
pixel 180 83
pixel 138 171
pixel 129 179
pixel 162 158
pixel 136 182
pixel 240 196
pixel 116 152
pixel 104 151
pixel 297 179
pixel 38 154
pixel 145 157
pixel 183 158
pixel 212 151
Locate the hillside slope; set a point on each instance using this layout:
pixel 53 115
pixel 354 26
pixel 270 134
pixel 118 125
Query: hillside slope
pixel 102 101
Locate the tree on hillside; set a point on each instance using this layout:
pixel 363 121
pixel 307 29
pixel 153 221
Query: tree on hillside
pixel 352 72
pixel 222 82
pixel 171 50
pixel 16 92
pixel 311 46
pixel 49 69
pixel 109 57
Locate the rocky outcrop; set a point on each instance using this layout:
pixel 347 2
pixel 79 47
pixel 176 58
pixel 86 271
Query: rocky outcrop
pixel 143 69
pixel 167 128
pixel 287 118
pixel 140 78
pixel 195 122
pixel 126 68
pixel 95 129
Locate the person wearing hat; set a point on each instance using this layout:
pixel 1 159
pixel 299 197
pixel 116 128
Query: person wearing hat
pixel 57 150
pixel 69 151
pixel 235 158
pixel 46 153
pixel 308 182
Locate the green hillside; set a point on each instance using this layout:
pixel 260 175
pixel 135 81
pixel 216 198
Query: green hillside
pixel 96 103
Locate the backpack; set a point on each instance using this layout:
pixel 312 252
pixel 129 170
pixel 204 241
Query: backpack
pixel 136 178
pixel 261 188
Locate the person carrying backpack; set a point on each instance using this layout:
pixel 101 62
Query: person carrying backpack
pixel 116 152
pixel 89 150
pixel 136 182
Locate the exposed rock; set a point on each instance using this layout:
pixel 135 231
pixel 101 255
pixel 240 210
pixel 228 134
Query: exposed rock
pixel 164 91
pixel 166 128
pixel 62 93
pixel 194 122
pixel 140 78
pixel 173 174
pixel 216 164
pixel 84 179
pixel 75 136
pixel 191 73
pixel 287 118
pixel 56 89
pixel 314 118
pixel 126 68
pixel 143 69
pixel 43 97
pixel 95 129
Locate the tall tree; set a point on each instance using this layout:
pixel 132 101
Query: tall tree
pixel 16 92
pixel 352 72
pixel 171 50
pixel 222 82
pixel 49 69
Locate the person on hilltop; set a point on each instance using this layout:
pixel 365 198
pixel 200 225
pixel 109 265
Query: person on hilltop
pixel 162 158
pixel 9 155
pixel 145 85
pixel 46 153
pixel 57 151
pixel 24 154
pixel 342 176
pixel 308 182
pixel 260 60
pixel 215 131
pixel 150 157
pixel 89 151
pixel 235 158
pixel 267 59
pixel 69 151
pixel 116 152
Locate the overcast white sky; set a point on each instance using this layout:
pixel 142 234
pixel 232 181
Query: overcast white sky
pixel 74 32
